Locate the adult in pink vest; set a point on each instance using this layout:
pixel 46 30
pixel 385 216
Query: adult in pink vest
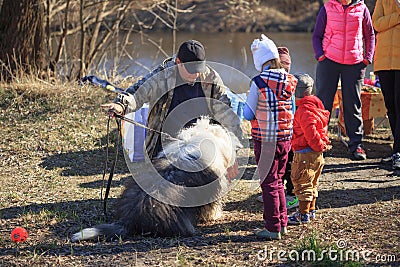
pixel 344 42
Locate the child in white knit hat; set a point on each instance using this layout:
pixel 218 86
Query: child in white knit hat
pixel 269 107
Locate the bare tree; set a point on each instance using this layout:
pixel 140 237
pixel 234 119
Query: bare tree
pixel 61 43
pixel 166 12
pixel 82 66
pixel 72 37
pixel 22 46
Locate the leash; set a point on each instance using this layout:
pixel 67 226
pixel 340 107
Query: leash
pixel 145 127
pixel 118 119
pixel 112 166
pixel 105 163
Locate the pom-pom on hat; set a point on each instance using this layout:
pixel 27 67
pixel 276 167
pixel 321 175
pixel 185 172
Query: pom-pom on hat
pixel 284 57
pixel 263 50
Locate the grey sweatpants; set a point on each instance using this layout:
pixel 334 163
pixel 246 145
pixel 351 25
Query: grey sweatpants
pixel 352 76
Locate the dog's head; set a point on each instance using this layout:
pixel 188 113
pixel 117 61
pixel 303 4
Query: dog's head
pixel 204 145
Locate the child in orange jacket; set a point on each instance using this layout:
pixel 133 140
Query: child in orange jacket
pixel 309 140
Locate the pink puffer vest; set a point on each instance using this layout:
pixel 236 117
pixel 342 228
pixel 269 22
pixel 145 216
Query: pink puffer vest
pixel 343 39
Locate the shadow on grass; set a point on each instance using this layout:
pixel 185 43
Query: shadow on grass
pixel 84 163
pixel 86 213
pixel 337 198
pixel 90 162
pixel 354 166
pixel 101 183
pixel 81 214
pixel 131 245
pixel 373 149
pixel 79 210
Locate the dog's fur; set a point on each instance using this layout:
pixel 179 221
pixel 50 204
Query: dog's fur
pixel 206 148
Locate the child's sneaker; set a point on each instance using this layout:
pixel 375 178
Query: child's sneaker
pixel 298 218
pixel 291 202
pixel 284 231
pixel 396 161
pixel 264 233
pixel 313 214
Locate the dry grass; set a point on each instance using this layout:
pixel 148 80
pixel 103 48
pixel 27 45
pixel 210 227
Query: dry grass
pixel 52 156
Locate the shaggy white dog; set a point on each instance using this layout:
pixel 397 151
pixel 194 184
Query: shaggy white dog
pixel 198 159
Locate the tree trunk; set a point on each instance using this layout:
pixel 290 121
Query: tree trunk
pixel 22 37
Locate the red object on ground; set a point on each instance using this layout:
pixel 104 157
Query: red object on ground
pixel 19 234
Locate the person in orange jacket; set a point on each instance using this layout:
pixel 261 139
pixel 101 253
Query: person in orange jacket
pixel 309 141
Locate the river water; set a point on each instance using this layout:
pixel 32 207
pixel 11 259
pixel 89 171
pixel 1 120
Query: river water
pixel 230 49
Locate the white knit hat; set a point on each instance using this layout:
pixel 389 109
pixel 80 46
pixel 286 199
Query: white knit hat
pixel 263 50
